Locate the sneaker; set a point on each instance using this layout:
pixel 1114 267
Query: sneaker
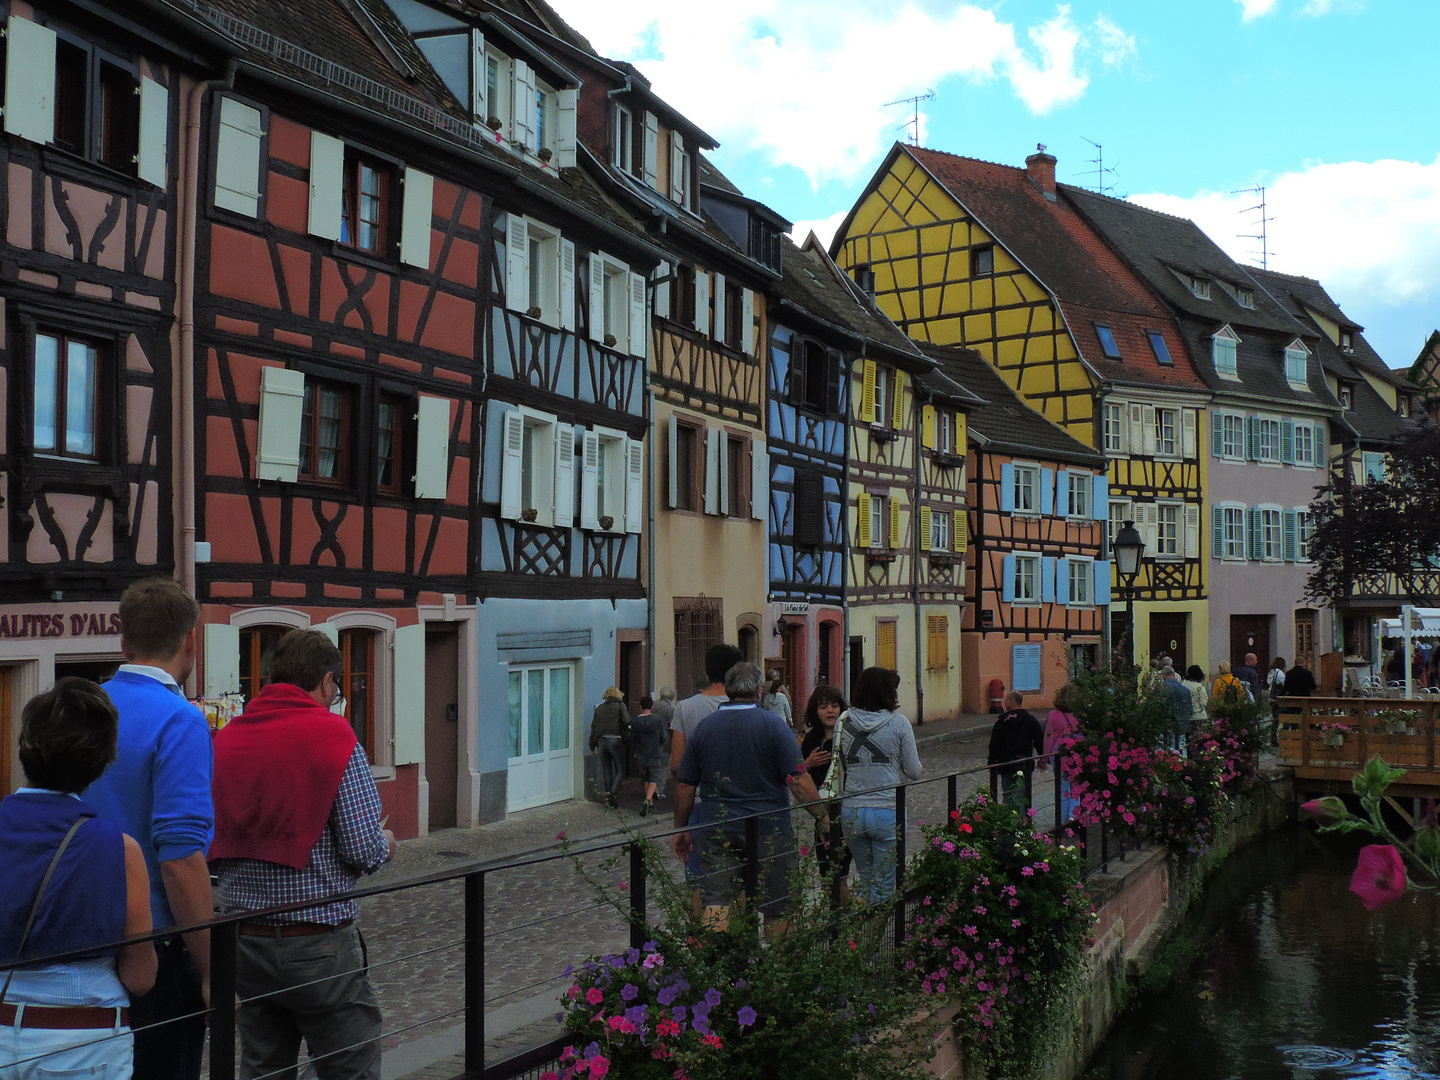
pixel 645 808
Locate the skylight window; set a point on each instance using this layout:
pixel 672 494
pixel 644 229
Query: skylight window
pixel 1157 343
pixel 1107 341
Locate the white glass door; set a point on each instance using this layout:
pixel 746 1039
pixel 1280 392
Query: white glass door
pixel 541 718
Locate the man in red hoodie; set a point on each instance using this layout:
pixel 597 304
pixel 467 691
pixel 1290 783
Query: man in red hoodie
pixel 297 817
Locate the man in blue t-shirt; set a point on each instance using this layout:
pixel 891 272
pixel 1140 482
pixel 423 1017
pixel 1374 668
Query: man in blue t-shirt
pixel 158 791
pixel 742 760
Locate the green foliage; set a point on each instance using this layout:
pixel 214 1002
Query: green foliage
pixel 1421 852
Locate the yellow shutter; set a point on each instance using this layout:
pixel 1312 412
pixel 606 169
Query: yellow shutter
pixel 885 644
pixel 927 427
pixel 925 525
pixel 894 523
pixel 867 392
pixel 960 528
pixel 937 642
pixel 897 407
pixel 960 448
pixel 862 520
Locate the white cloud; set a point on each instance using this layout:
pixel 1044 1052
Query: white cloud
pixel 823 228
pixel 1369 231
pixel 806 81
pixel 1251 10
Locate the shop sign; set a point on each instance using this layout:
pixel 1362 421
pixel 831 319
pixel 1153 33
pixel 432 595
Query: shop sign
pixel 795 607
pixel 59 624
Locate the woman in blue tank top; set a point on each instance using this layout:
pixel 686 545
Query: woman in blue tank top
pixel 69 1017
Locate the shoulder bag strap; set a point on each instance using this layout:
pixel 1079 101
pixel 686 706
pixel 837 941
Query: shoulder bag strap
pixel 39 896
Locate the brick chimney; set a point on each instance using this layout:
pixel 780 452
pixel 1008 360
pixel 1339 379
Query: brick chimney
pixel 1040 168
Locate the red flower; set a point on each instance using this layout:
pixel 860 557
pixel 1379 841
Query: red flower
pixel 1379 877
pixel 965 827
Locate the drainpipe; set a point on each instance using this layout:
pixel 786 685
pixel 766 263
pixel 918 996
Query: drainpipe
pixel 650 458
pixel 915 563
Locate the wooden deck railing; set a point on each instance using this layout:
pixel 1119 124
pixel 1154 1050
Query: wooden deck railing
pixel 1327 738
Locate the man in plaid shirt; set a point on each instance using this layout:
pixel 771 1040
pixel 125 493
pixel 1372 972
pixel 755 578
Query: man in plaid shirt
pixel 298 818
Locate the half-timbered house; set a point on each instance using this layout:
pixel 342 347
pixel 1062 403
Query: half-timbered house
pixel 996 258
pixel 92 307
pixel 1038 576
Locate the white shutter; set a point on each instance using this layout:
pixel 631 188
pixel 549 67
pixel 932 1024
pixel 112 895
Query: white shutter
pixel 1150 530
pixel 565 476
pixel 566 104
pixel 517 263
pixel 1192 531
pixel 748 337
pixel 677 166
pixel 151 163
pixel 702 301
pixel 719 328
pixel 222 655
pixel 597 296
pixel 416 210
pixel 652 149
pixel 661 303
pixel 1147 430
pixel 1188 446
pixel 29 80
pixel 432 448
pixel 714 453
pixel 237 157
pixel 590 481
pixel 634 484
pixel 759 479
pixel 1136 442
pixel 639 324
pixel 673 491
pixel 408 679
pixel 330 630
pixel 512 462
pixel 522 99
pixel 282 404
pixel 327 185
pixel 567 284
pixel 479 107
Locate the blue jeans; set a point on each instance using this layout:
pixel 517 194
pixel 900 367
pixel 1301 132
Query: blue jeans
pixel 870 835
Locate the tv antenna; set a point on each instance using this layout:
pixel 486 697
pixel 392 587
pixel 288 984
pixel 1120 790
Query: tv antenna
pixel 914 122
pixel 1264 234
pixel 1100 172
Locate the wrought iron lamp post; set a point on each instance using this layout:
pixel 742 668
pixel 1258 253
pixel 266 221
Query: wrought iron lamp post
pixel 1127 548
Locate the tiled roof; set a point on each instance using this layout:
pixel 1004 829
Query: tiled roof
pixel 1005 420
pixel 1425 371
pixel 1054 243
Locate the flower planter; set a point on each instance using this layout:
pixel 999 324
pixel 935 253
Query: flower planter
pixel 529 514
pixel 1334 742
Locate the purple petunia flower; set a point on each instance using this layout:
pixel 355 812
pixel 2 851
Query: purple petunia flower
pixel 668 995
pixel 678 1014
pixel 746 1016
pixel 712 997
pixel 629 991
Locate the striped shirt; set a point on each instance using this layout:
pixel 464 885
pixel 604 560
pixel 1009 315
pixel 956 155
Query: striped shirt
pixel 350 846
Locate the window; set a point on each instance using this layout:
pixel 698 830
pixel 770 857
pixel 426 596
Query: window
pixel 1232 435
pixel 944 432
pixel 96 107
pixel 1167 433
pixel 1295 357
pixel 1304 534
pixel 543 271
pixel 1158 346
pixel 1078 505
pixel 1304 444
pixel 877 537
pixel 1079 573
pixel 1270 535
pixel 1114 429
pixel 1107 341
pixel 257 645
pixel 1027 489
pixel 1027 579
pixel 982 260
pixel 325 434
pixel 357 684
pixel 610 453
pixel 497 90
pixel 937 642
pixel 389 417
pixel 616 307
pixel 734 315
pixel 1373 466
pixel 682 295
pixel 1119 514
pixel 1347 343
pixel 1232 532
pixel 1403 407
pixel 737 476
pixel 72 79
pixel 885 644
pixel 940 530
pixel 1267 439
pixel 544 116
pixel 1223 353
pixel 1167 531
pixel 882 395
pixel 537 468
pixel 1244 297
pixel 67 397
pixel 366 195
pixel 699 624
pixel 864 278
pixel 687 466
pixel 814 377
pixel 1347 397
pixel 1201 288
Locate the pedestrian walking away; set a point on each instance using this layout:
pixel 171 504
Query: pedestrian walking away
pixel 1195 682
pixel 609 737
pixel 297 818
pixel 1227 687
pixel 777 700
pixel 1181 705
pixel 648 730
pixel 1274 691
pixel 1250 676
pixel 158 791
pixel 1015 740
pixel 73 881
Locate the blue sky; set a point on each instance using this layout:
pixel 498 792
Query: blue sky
pixel 1330 103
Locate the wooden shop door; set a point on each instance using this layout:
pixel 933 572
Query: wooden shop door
pixel 1169 637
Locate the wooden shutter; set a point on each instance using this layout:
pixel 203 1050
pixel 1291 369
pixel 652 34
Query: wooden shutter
pixel 1147 429
pixel 867 391
pixel 432 447
pixel 885 644
pixel 634 484
pixel 1217 434
pixel 1047 579
pixel 282 405
pixel 937 642
pixel 30 80
pixel 749 339
pixel 222 653
pixel 674 480
pixel 1047 491
pixel 862 520
pixel 327 185
pixel 722 458
pixel 1100 498
pixel 237 156
pixel 152 159
pixel 927 427
pixel 522 103
pixel 1192 531
pixel 960 530
pixel 566 104
pixel 1322 448
pixel 564 493
pixel 1025 668
pixel 894 506
pixel 809 510
pixel 1136 442
pixel 512 462
pixel 1062 581
pixel 596 264
pixel 714 452
pixel 417 207
pixel 962 439
pixel 702 301
pixel 1287 442
pixel 897 403
pixel 1007 488
pixel 652 150
pixel 1188 439
pixel 1217 532
pixel 567 284
pixel 1101 592
pixel 639 324
pixel 590 481
pixel 408 681
pixel 1062 493
pixel 1007 578
pixel 719 329
pixel 677 167
pixel 1253 523
pixel 1288 539
pixel 517 263
pixel 927 522
pixel 759 479
pixel 479 106
pixel 659 278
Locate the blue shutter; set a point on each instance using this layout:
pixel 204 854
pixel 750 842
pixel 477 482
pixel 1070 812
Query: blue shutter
pixel 1047 491
pixel 1252 534
pixel 1007 488
pixel 1252 440
pixel 1322 448
pixel 1047 580
pixel 1100 501
pixel 1025 668
pixel 1007 579
pixel 1062 581
pixel 1062 493
pixel 1288 536
pixel 1217 532
pixel 1217 434
pixel 1287 442
pixel 1102 582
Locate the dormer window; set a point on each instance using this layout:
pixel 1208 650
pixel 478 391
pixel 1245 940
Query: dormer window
pixel 679 170
pixel 1296 355
pixel 1107 341
pixel 1245 297
pixel 864 277
pixel 1222 352
pixel 1403 406
pixel 1347 397
pixel 1158 346
pixel 1347 343
pixel 1200 287
pixel 622 152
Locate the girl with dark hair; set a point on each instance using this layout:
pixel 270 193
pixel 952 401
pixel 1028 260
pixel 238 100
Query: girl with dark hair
pixel 822 711
pixel 777 700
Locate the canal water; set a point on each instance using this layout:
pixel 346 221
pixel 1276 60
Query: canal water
pixel 1295 979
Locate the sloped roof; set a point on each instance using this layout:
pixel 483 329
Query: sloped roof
pixel 1425 371
pixel 1004 420
pixel 1055 244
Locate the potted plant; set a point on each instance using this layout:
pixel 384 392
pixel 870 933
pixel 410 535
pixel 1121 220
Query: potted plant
pixel 1396 722
pixel 545 154
pixel 494 122
pixel 607 522
pixel 610 340
pixel 1333 735
pixel 533 311
pixel 529 514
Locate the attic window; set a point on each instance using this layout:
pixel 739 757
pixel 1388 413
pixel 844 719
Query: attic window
pixel 1245 298
pixel 1200 287
pixel 622 155
pixel 1107 341
pixel 982 261
pixel 1157 344
pixel 1347 343
pixel 1347 399
pixel 1295 357
pixel 1404 408
pixel 864 277
pixel 1223 353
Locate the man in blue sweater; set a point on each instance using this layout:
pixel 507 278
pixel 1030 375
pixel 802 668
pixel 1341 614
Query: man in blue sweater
pixel 158 791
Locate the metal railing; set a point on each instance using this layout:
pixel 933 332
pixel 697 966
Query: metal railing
pixel 478 939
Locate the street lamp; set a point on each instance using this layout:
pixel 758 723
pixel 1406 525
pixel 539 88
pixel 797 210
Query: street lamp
pixel 1127 549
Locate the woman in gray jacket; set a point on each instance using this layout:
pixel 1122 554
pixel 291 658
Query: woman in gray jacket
pixel 879 746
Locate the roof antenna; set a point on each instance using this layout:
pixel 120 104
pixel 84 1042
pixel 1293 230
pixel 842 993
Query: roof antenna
pixel 1263 234
pixel 914 122
pixel 1100 171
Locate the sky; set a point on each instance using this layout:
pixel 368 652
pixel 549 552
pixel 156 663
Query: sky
pixel 1329 104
